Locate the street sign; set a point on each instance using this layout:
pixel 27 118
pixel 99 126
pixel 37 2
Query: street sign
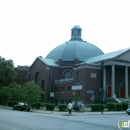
pixel 77 87
pixel 90 91
pixel 51 94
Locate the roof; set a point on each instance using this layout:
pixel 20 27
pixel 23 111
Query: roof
pixel 23 68
pixel 76 48
pixel 49 62
pixel 76 26
pixel 106 56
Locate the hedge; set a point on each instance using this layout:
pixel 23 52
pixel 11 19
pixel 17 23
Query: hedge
pixel 11 103
pixel 50 106
pixel 62 107
pixel 124 105
pixel 114 106
pixel 97 107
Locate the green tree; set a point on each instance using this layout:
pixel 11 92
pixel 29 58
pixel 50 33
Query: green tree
pixel 4 94
pixel 32 91
pixel 7 72
pixel 16 92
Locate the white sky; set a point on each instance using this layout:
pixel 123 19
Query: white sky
pixel 31 28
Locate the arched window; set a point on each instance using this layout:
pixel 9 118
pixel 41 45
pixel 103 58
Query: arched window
pixel 67 74
pixel 78 77
pixel 37 78
pixel 43 85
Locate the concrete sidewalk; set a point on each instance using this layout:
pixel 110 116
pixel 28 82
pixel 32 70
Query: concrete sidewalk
pixel 79 113
pixel 73 112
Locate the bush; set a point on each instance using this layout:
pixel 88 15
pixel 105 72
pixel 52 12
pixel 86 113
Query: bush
pixel 111 106
pixel 62 107
pixel 97 107
pixel 119 106
pixel 124 105
pixel 38 105
pixel 33 105
pixel 11 103
pixel 112 100
pixel 97 100
pixel 50 106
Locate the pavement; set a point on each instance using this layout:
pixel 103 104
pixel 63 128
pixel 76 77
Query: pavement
pixel 74 113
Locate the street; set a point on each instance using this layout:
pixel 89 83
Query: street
pixel 22 120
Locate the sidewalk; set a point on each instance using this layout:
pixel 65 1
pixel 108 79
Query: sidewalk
pixel 79 113
pixel 65 113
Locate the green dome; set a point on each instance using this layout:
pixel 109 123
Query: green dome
pixel 75 48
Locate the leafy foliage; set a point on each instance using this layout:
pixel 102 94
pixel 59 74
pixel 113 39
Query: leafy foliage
pixel 7 72
pixel 16 92
pixel 4 94
pixel 32 92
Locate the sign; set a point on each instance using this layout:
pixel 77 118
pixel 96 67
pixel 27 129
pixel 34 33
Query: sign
pixel 51 94
pixel 90 91
pixel 77 87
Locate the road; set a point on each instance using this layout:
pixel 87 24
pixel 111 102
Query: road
pixel 22 120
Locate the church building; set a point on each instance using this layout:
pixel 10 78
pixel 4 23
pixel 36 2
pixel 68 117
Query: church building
pixel 79 67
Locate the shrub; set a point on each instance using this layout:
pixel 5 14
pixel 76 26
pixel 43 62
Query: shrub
pixel 38 105
pixel 111 106
pixel 119 106
pixel 11 103
pixel 33 105
pixel 124 105
pixel 112 100
pixel 50 106
pixel 97 107
pixel 62 107
pixel 97 100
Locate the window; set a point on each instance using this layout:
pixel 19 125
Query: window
pixel 57 89
pixel 93 75
pixel 79 32
pixel 26 76
pixel 37 78
pixel 69 88
pixel 43 85
pixel 67 74
pixel 62 89
pixel 78 77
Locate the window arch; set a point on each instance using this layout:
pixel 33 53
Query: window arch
pixel 78 77
pixel 67 74
pixel 37 78
pixel 43 85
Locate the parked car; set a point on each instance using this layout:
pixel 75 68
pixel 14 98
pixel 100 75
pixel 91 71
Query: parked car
pixel 128 111
pixel 22 106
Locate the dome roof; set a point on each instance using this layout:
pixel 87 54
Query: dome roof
pixel 75 48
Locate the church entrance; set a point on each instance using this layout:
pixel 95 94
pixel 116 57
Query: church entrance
pixel 109 91
pixel 122 92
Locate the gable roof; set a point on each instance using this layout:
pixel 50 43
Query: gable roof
pixel 49 62
pixel 106 56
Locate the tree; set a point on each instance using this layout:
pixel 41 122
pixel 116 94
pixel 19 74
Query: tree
pixel 32 91
pixel 16 92
pixel 4 94
pixel 7 72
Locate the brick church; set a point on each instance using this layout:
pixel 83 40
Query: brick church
pixel 79 67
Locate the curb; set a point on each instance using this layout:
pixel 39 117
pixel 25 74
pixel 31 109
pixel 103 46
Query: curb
pixel 73 113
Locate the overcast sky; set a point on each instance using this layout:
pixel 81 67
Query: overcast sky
pixel 31 28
